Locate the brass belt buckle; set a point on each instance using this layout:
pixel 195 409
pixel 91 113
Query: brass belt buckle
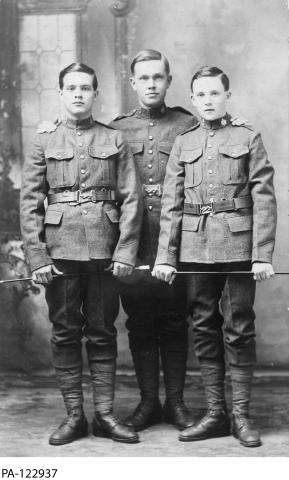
pixel 206 209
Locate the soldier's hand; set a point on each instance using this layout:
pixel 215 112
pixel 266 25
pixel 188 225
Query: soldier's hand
pixel 121 269
pixel 44 274
pixel 164 272
pixel 262 271
pixel 239 121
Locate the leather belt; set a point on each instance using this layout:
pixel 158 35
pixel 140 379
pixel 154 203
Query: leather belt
pixel 95 195
pixel 217 207
pixel 152 190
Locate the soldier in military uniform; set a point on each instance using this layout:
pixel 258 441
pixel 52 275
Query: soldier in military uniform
pixel 156 312
pixel 219 214
pixel 85 171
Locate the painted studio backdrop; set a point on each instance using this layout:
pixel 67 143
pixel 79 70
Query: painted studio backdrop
pixel 247 39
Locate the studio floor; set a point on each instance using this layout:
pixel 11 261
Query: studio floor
pixel 31 407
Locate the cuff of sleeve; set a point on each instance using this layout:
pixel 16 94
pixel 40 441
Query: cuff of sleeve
pixel 126 253
pixel 166 257
pixel 263 253
pixel 38 258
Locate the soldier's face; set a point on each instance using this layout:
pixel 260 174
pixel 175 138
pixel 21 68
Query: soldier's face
pixel 210 98
pixel 78 95
pixel 150 81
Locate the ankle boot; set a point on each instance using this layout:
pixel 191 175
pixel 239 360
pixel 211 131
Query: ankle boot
pixel 174 361
pixel 73 427
pixel 213 424
pixel 108 426
pixel 146 362
pixel 147 413
pixel 241 379
pixel 216 422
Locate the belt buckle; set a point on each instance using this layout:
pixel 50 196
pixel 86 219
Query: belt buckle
pixel 76 201
pixel 206 209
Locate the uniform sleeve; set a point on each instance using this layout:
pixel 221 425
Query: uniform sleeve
pixel 172 209
pixel 129 195
pixel 33 193
pixel 264 202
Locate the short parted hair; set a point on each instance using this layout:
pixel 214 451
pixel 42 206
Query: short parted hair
pixel 78 67
pixel 207 71
pixel 146 55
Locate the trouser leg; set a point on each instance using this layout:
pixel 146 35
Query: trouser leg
pixel 63 296
pixel 100 309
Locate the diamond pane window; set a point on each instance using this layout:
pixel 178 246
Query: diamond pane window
pixel 47 43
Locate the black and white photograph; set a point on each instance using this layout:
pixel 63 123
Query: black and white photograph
pixel 144 240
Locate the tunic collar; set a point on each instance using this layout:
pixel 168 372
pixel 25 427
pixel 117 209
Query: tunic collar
pixel 80 124
pixel 151 112
pixel 216 124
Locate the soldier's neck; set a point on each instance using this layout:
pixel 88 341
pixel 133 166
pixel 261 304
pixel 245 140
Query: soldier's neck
pixel 78 122
pixel 151 112
pixel 217 123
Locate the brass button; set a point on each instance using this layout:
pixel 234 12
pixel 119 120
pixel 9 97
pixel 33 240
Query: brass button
pixel 84 212
pixel 150 194
pixel 210 146
pixel 211 199
pixel 103 154
pixel 211 185
pixel 212 134
pixel 79 134
pixel 82 156
pixel 58 156
pixel 80 144
pixel 83 185
pixel 150 165
pixel 150 151
pixel 82 171
pixel 210 171
pixel 150 180
pixel 151 124
pixel 210 157
pixel 150 137
pixel 150 207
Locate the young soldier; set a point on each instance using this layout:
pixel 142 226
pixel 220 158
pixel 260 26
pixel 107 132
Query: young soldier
pixel 157 315
pixel 219 214
pixel 86 173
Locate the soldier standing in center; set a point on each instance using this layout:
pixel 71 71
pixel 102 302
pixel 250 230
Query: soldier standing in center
pixel 156 312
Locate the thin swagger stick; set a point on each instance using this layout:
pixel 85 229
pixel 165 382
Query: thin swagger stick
pixel 143 268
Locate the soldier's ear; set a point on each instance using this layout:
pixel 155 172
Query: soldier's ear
pixel 192 98
pixel 169 80
pixel 132 82
pixel 229 94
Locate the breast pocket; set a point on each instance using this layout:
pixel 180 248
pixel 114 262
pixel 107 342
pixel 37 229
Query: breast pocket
pixel 102 164
pixel 60 167
pixel 193 162
pixel 233 163
pixel 164 150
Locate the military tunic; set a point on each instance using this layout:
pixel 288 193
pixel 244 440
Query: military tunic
pixel 219 214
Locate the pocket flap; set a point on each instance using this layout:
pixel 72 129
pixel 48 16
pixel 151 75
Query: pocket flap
pixel 103 152
pixel 189 156
pixel 234 151
pixel 113 215
pixel 191 223
pixel 53 217
pixel 165 147
pixel 136 147
pixel 240 224
pixel 59 153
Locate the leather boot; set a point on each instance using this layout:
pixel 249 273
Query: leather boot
pixel 108 426
pixel 174 361
pixel 216 422
pixel 146 414
pixel 73 427
pixel 242 429
pixel 213 424
pixel 146 363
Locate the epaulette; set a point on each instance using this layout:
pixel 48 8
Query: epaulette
pixel 104 125
pixel 47 126
pixel 181 109
pixel 191 129
pixel 125 115
pixel 245 125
